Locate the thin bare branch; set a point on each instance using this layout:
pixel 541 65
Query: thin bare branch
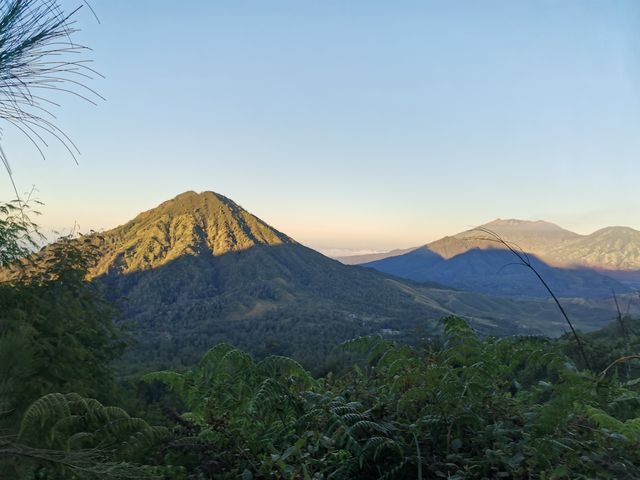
pixel 526 261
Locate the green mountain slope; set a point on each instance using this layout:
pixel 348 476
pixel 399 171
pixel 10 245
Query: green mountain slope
pixel 190 224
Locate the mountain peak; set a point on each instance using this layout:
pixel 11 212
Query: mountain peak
pixel 524 224
pixel 205 223
pixel 191 200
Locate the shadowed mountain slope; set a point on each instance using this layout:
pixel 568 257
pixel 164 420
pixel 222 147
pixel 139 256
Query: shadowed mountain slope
pixel 615 250
pixel 372 257
pixel 531 236
pixel 495 271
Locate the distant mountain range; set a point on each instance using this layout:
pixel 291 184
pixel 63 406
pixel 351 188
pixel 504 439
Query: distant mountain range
pixel 614 250
pixel 574 265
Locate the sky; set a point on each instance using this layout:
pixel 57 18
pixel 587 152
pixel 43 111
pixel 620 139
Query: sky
pixel 351 125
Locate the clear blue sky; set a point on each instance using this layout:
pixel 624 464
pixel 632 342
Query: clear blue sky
pixel 354 124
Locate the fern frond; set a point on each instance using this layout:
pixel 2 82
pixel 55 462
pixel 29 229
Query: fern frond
pixel 276 366
pixel 352 418
pixel 362 344
pixel 370 426
pixel 235 361
pixel 175 381
pixel 417 394
pixel 267 396
pixel 45 409
pixel 375 445
pixel 212 358
pixel 143 439
pixel 80 440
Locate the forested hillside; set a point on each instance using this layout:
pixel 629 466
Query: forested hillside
pixel 199 270
pixel 449 405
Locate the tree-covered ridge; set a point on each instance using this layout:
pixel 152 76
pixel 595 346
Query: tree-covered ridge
pixel 492 271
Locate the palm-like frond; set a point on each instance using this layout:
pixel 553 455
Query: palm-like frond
pixel 38 58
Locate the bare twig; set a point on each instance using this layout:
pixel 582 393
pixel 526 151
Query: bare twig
pixel 525 260
pixel 625 334
pixel 619 360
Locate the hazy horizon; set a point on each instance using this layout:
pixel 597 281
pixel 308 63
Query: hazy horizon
pixel 361 126
pixel 331 250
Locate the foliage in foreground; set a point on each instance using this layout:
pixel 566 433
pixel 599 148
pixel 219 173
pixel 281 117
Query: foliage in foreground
pixel 471 408
pixel 56 333
pixel 69 436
